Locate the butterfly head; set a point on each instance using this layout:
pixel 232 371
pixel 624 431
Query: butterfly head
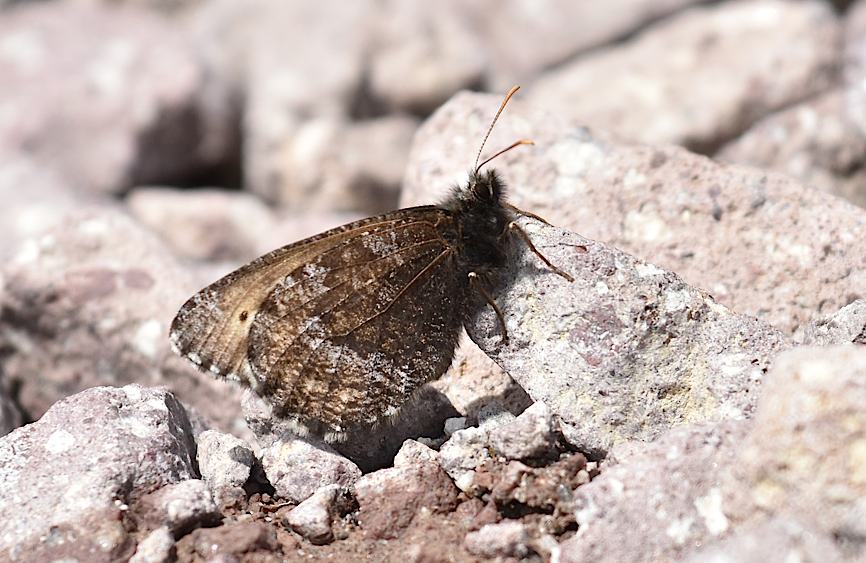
pixel 486 187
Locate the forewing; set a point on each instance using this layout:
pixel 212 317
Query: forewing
pixel 212 328
pixel 346 339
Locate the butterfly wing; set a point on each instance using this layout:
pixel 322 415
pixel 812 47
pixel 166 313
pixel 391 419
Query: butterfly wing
pixel 336 330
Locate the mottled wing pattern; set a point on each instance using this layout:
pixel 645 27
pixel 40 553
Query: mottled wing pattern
pixel 336 330
pixel 344 340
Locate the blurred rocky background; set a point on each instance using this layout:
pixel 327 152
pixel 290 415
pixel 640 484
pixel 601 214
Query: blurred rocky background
pixel 697 394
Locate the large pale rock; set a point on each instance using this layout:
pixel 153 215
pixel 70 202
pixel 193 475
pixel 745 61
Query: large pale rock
pixel 702 76
pixel 653 502
pixel 125 102
pixel 806 456
pixel 768 246
pixel 68 479
pixel 89 303
pixel 526 38
pixel 204 224
pixel 816 142
pixel 627 350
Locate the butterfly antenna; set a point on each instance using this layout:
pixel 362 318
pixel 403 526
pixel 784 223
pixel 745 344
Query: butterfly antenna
pixel 510 93
pixel 505 150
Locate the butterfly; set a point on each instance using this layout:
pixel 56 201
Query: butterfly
pixel 337 331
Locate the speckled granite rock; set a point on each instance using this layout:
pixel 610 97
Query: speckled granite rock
pixel 627 350
pixel 653 502
pixel 74 474
pixel 298 467
pixel 846 326
pixel 806 456
pixel 768 246
pixel 225 462
pixel 815 142
pixel 96 296
pixel 665 85
pixel 125 102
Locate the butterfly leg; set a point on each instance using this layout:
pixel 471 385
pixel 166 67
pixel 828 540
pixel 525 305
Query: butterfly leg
pixel 475 281
pixel 515 228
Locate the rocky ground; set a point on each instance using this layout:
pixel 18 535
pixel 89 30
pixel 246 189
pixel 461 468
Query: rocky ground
pixel 696 394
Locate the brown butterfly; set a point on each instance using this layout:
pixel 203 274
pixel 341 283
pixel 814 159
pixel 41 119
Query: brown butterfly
pixel 338 330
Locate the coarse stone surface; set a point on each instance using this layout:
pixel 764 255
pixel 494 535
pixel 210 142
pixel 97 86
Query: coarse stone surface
pixel 297 467
pixel 93 455
pixel 703 76
pixel 625 351
pixel 125 102
pixel 95 296
pixel 653 502
pixel 768 246
pixel 389 499
pixel 225 463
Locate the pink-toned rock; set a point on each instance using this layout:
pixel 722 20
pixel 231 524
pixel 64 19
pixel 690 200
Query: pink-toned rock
pixel 768 246
pixel 69 478
pixel 35 198
pixel 108 97
pixel 95 296
pixel 816 142
pixel 702 76
pixel 524 39
pixel 204 224
pixel 422 53
pixel 298 467
pixel 390 498
pixel 333 164
pixel 805 458
pixel 653 502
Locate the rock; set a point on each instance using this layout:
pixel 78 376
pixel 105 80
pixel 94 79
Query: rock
pixel 622 329
pixel 389 499
pixel 204 224
pixel 452 425
pixel 525 39
pixel 663 86
pixel 125 104
pixel 815 142
pixel 769 246
pixel 806 455
pixel 422 53
pixel 774 539
pixel 93 455
pixel 156 547
pixel 848 325
pixel 332 164
pixel 181 507
pixel 653 502
pixel 297 467
pixel 413 453
pixel 505 539
pixel 232 540
pixel 29 212
pixel 225 463
pixel 532 435
pixel 542 495
pixel 312 518
pixel 95 297
pixel 462 454
pixel 854 69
